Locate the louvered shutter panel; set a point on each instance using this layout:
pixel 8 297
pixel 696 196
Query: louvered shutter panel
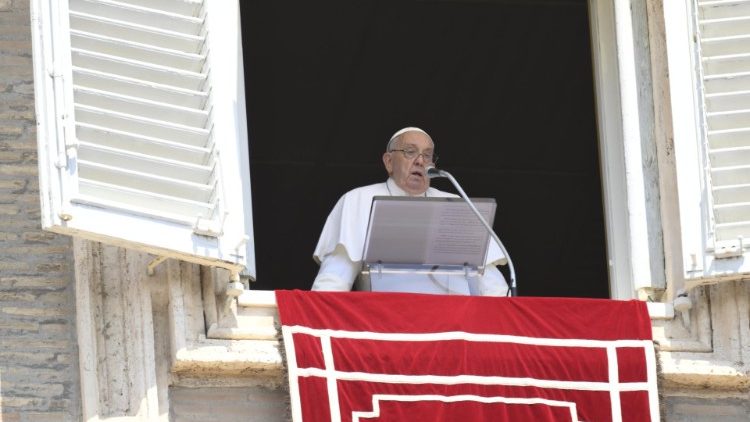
pixel 724 34
pixel 141 116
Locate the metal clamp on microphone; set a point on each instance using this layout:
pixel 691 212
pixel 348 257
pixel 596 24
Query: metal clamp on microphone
pixel 433 172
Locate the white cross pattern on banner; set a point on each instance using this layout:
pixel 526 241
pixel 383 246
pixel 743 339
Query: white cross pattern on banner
pixel 332 376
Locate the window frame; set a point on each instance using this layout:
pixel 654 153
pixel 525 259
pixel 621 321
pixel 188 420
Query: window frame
pixel 635 263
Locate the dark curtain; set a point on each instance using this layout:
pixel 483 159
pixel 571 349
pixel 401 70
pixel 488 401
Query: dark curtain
pixel 505 88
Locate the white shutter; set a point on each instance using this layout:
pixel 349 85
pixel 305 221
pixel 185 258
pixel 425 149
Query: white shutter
pixel 708 48
pixel 142 131
pixel 724 32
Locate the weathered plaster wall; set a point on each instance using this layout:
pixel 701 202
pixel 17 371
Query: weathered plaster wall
pixel 38 354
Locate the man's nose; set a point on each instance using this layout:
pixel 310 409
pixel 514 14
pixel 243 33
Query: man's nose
pixel 420 159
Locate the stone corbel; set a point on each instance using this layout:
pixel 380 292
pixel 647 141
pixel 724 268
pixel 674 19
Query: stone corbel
pixel 215 341
pixel 251 315
pixel 712 351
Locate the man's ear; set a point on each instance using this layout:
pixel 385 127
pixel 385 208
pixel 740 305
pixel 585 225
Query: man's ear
pixel 388 162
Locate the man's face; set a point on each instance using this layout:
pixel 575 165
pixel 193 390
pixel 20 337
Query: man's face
pixel 410 174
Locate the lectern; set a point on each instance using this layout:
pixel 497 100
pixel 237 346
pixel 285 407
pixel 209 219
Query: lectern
pixel 425 245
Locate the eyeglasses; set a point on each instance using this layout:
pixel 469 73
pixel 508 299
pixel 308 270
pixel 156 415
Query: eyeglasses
pixel 410 154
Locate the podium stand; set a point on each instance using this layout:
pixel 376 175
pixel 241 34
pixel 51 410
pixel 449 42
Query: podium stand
pixel 425 245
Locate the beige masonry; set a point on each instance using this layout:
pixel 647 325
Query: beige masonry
pixel 38 348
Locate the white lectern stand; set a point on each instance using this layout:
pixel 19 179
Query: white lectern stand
pixel 425 245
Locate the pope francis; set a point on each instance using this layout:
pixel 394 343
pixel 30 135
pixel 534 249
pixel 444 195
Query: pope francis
pixel 340 247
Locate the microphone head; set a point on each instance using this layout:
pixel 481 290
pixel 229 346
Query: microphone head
pixel 433 172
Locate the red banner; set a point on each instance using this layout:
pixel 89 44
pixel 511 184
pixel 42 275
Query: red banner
pixel 366 357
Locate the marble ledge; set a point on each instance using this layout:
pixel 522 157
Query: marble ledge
pixel 267 299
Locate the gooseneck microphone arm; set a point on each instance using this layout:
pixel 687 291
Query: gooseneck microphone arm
pixel 433 172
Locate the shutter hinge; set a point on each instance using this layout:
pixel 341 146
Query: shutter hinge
pixel 53 72
pixel 70 144
pixel 240 248
pixel 729 249
pixel 694 268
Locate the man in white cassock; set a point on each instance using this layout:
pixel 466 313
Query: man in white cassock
pixel 340 247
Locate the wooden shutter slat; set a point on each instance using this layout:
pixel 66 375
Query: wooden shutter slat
pixel 735 100
pixel 731 119
pixel 731 175
pixel 137 33
pixel 127 178
pixel 145 16
pixel 128 140
pixel 144 163
pixel 140 52
pixel 724 34
pixel 135 106
pixel 180 7
pixel 140 88
pixel 142 125
pixel 731 231
pixel 145 202
pixel 728 157
pixel 728 193
pixel 726 64
pixel 135 69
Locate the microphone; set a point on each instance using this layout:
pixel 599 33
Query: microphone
pixel 433 172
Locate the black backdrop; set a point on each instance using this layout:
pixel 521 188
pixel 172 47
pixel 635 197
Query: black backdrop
pixel 504 88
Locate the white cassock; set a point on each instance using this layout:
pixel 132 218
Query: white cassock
pixel 340 247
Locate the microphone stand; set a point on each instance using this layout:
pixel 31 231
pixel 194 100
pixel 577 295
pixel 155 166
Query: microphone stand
pixel 433 172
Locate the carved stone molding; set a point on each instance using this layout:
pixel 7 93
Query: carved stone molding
pixel 115 334
pixel 710 345
pixel 140 332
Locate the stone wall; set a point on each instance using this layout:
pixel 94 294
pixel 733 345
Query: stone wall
pixel 228 404
pixel 38 352
pixel 706 406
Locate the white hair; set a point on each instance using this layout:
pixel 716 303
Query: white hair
pixel 396 136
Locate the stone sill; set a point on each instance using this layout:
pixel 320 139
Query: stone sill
pixel 659 310
pixel 257 361
pixel 257 298
pixel 679 371
pixel 267 299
